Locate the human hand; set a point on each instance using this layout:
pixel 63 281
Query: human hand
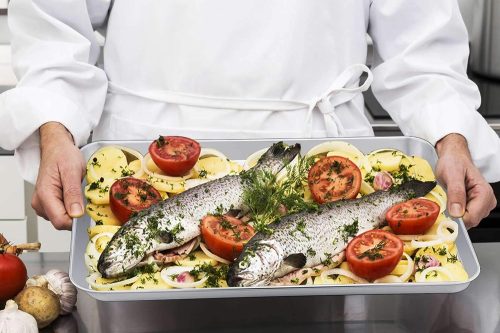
pixel 469 195
pixel 58 196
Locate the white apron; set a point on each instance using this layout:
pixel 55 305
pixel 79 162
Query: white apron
pixel 230 101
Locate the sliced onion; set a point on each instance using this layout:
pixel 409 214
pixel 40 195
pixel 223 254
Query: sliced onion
pixel 418 244
pixel 451 225
pixel 91 280
pixel 389 279
pixel 309 281
pixel 252 160
pixel 341 271
pixel 340 147
pixel 139 156
pixel 207 152
pixel 213 256
pixel 409 268
pixel 408 238
pixel 150 173
pixel 166 275
pixel 441 269
pixel 91 251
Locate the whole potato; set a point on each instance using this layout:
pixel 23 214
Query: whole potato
pixel 39 302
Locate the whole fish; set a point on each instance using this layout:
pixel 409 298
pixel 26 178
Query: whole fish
pixel 175 221
pixel 308 239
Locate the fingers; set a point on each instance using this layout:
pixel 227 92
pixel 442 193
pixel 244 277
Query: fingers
pixel 454 180
pixel 71 178
pixel 481 201
pixel 47 203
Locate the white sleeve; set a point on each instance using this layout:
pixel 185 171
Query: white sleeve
pixel 54 51
pixel 421 51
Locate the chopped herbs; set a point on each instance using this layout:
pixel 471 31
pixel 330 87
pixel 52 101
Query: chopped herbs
pixel 350 230
pixel 452 258
pixel 214 274
pixel 374 253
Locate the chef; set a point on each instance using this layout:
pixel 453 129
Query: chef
pixel 239 69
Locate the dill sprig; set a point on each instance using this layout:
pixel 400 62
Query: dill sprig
pixel 267 197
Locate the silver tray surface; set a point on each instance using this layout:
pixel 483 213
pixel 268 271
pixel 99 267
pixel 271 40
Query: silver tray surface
pixel 239 150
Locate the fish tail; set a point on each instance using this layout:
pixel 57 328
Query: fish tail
pixel 277 157
pixel 417 187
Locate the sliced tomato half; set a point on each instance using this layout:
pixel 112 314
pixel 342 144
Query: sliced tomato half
pixel 374 254
pixel 175 155
pixel 225 235
pixel 129 195
pixel 334 178
pixel 412 217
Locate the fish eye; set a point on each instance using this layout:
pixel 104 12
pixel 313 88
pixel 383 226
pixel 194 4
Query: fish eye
pixel 243 265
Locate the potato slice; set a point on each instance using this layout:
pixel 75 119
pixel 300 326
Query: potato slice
pixel 422 169
pixel 386 159
pixel 150 281
pixel 433 276
pixel 106 163
pixel 102 214
pixel 98 192
pixel 458 271
pixel 212 167
pixel 235 167
pixel 339 279
pixel 196 258
pixel 102 228
pixel 438 195
pixel 104 281
pixel 366 188
pixel 166 186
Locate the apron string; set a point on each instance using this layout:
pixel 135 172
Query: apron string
pixel 340 92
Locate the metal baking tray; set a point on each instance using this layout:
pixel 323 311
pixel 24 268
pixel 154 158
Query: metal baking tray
pixel 239 150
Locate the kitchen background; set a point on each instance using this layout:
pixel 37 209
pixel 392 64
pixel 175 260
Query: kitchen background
pixel 482 17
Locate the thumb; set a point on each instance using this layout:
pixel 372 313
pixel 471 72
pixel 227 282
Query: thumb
pixel 72 192
pixel 455 184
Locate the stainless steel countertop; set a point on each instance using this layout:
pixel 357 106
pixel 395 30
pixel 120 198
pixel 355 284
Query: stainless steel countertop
pixel 476 309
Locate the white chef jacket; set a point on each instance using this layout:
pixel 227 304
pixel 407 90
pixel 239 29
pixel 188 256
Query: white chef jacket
pixel 238 69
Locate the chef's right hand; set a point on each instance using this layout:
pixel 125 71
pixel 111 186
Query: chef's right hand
pixel 58 195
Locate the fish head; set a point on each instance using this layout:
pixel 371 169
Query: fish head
pixel 124 251
pixel 255 266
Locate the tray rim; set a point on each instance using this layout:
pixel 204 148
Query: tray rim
pixel 276 291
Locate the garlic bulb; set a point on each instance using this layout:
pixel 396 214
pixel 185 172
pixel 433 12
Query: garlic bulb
pixel 14 320
pixel 59 283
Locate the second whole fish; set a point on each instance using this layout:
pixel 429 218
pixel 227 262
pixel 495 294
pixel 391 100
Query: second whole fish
pixel 308 239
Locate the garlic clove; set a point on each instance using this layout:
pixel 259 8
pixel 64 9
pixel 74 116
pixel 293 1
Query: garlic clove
pixel 383 181
pixel 60 283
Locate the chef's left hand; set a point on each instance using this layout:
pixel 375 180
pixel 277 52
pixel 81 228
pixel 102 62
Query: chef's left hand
pixel 469 195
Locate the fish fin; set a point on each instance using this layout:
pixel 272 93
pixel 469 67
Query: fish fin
pixel 277 151
pixel 297 260
pixel 418 187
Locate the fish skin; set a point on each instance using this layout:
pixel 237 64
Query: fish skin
pixel 175 221
pixel 317 236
